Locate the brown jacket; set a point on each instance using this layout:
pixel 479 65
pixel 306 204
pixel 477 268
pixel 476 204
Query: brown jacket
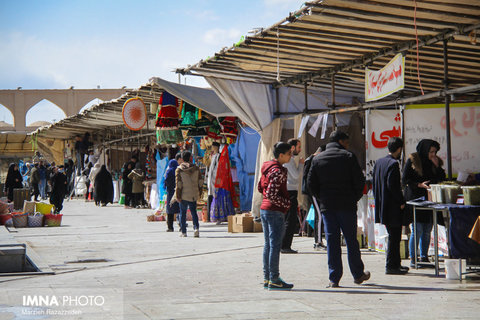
pixel 188 182
pixel 137 178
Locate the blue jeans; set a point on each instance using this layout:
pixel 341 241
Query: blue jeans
pixel 273 223
pixel 346 221
pixel 43 188
pixel 184 205
pixel 423 238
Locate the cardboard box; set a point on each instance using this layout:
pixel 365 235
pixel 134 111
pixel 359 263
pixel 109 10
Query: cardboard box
pixel 404 254
pixel 240 223
pixel 257 226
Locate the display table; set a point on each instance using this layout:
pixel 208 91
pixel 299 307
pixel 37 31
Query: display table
pixel 462 219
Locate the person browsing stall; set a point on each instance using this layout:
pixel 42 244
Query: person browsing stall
pixel 275 204
pixel 389 203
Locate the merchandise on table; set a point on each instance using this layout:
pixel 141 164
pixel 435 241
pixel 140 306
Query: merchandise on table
pixel 471 194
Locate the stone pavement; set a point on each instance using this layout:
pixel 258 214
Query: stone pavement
pixel 142 272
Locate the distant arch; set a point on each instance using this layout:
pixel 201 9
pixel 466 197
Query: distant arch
pixel 91 103
pixel 44 111
pixel 7 118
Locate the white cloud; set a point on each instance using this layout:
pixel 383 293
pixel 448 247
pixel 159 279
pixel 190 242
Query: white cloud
pixel 224 37
pixel 289 4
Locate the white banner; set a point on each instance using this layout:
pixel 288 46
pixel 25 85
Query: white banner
pixel 428 122
pixel 382 125
pixel 389 79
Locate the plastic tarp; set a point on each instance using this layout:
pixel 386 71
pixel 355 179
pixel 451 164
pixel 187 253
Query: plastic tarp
pixel 205 99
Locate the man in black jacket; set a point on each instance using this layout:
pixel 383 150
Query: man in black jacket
pixel 336 180
pixel 389 202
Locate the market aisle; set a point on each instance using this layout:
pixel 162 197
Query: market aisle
pixel 158 275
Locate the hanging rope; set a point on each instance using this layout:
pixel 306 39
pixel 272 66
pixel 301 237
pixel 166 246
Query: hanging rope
pixel 278 54
pixel 416 39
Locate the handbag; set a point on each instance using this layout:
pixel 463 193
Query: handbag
pixel 311 217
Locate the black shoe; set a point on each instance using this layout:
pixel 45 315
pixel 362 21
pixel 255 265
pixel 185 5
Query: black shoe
pixel 279 284
pixel 364 277
pixel 169 230
pixel 404 268
pixel 397 271
pixel 289 250
pixel 424 259
pixel 333 285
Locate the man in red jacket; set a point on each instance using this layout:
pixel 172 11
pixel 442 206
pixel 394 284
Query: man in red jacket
pixel 275 204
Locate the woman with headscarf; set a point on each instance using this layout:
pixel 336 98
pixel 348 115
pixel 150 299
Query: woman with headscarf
pixel 137 178
pixel 103 187
pixel 127 184
pixel 172 207
pixel 59 188
pixel 422 168
pixel 13 181
pixel 86 173
pixel 93 173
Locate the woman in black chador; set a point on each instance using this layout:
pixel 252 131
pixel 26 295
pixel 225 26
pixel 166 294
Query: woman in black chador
pixel 103 190
pixel 14 180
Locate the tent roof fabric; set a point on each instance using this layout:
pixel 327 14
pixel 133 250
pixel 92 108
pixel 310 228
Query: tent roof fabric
pixel 106 118
pixel 342 37
pixel 205 99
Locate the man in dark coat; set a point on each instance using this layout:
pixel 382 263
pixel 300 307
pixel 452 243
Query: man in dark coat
pixel 336 180
pixel 389 202
pixel 59 188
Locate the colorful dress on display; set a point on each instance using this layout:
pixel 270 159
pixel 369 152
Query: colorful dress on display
pixel 213 131
pixel 229 129
pixel 167 123
pixel 224 199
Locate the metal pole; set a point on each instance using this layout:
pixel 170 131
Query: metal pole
pixel 306 98
pixel 333 102
pixel 447 109
pixel 123 142
pixel 277 102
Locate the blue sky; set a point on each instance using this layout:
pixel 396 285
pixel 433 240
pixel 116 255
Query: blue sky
pixel 114 43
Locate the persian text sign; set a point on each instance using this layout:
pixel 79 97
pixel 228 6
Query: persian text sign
pixel 429 122
pixel 382 125
pixel 389 79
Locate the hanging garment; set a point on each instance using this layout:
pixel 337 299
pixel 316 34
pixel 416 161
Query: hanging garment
pixel 167 117
pixel 214 130
pixel 189 116
pixel 229 127
pixel 245 155
pixel 168 121
pixel 161 168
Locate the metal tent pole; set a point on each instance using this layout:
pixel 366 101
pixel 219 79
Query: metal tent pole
pixel 447 109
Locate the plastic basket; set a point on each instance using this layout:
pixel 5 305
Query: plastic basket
pixel 53 220
pixel 471 194
pixel 451 193
pixel 35 220
pixel 4 218
pixel 43 208
pixel 20 219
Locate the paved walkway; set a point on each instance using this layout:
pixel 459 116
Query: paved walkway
pixel 142 272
